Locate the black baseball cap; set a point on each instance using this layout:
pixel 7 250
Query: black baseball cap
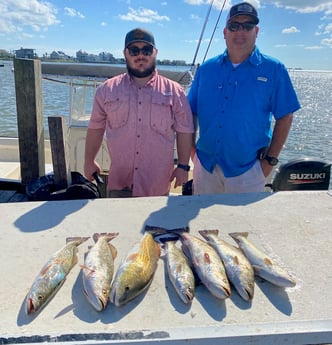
pixel 243 8
pixel 139 35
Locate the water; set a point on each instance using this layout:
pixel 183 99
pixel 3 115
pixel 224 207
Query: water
pixel 310 134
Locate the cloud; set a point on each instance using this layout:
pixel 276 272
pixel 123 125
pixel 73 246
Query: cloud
pixel 290 30
pixel 313 47
pixel 73 13
pixel 143 15
pixel 20 15
pixel 327 42
pixel 304 6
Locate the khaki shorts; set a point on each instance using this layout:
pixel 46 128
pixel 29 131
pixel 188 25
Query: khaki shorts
pixel 204 182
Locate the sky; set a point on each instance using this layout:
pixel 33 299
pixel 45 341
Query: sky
pixel 297 32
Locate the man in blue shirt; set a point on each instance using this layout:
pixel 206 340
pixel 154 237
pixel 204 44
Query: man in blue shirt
pixel 233 98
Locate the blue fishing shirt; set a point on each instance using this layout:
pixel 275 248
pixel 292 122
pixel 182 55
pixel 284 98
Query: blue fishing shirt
pixel 234 108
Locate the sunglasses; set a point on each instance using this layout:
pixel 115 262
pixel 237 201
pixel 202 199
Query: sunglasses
pixel 135 51
pixel 235 26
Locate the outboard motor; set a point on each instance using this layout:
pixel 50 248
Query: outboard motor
pixel 302 174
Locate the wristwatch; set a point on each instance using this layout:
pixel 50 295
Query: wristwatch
pixel 184 167
pixel 272 160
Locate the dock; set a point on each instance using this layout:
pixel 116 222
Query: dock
pixel 294 228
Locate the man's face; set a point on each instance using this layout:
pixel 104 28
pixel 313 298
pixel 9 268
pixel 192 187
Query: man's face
pixel 240 34
pixel 140 59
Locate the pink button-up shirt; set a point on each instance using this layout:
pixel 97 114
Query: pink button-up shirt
pixel 140 124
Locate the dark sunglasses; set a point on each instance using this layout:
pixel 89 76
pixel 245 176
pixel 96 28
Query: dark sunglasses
pixel 135 51
pixel 235 26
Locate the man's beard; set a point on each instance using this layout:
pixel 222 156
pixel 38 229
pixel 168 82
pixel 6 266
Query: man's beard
pixel 141 74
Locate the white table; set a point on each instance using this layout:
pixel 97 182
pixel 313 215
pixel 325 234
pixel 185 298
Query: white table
pixel 295 228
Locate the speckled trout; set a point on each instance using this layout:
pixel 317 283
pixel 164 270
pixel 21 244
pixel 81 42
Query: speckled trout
pixel 207 264
pixel 98 270
pixel 136 272
pixel 263 265
pixel 179 271
pixel 52 275
pixel 238 268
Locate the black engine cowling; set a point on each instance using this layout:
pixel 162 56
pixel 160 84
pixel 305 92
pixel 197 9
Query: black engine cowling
pixel 302 174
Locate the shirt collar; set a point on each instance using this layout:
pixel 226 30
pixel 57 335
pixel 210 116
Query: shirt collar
pixel 255 58
pixel 150 81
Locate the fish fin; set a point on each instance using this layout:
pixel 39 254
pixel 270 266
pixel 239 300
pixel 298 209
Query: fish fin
pixel 268 261
pixel 84 267
pixel 132 256
pixel 206 233
pixel 179 268
pixel 113 250
pixel 45 269
pixel 236 260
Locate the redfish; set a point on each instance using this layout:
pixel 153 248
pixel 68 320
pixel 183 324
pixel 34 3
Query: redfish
pixel 136 272
pixel 98 270
pixel 52 275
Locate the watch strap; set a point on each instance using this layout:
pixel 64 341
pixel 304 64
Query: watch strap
pixel 184 167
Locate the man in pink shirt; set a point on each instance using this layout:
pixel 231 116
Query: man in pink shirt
pixel 142 113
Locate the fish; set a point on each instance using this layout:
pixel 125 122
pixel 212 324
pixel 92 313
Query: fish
pixel 262 264
pixel 238 268
pixel 179 271
pixel 135 273
pixel 207 264
pixel 52 275
pixel 98 270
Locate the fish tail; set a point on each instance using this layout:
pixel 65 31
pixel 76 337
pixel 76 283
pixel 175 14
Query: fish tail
pixel 235 235
pixel 77 239
pixel 108 235
pixel 206 233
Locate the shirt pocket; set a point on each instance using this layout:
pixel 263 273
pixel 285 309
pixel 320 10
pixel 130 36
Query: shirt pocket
pixel 161 114
pixel 117 110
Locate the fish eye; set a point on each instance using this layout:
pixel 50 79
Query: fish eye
pixel 40 297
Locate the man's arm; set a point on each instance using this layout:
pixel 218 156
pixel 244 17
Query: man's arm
pixel 94 138
pixel 184 143
pixel 279 137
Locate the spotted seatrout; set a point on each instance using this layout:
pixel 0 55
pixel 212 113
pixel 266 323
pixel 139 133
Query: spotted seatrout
pixel 52 275
pixel 179 271
pixel 263 265
pixel 136 272
pixel 238 268
pixel 207 264
pixel 98 270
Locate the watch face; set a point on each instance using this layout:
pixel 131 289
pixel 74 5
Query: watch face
pixel 273 161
